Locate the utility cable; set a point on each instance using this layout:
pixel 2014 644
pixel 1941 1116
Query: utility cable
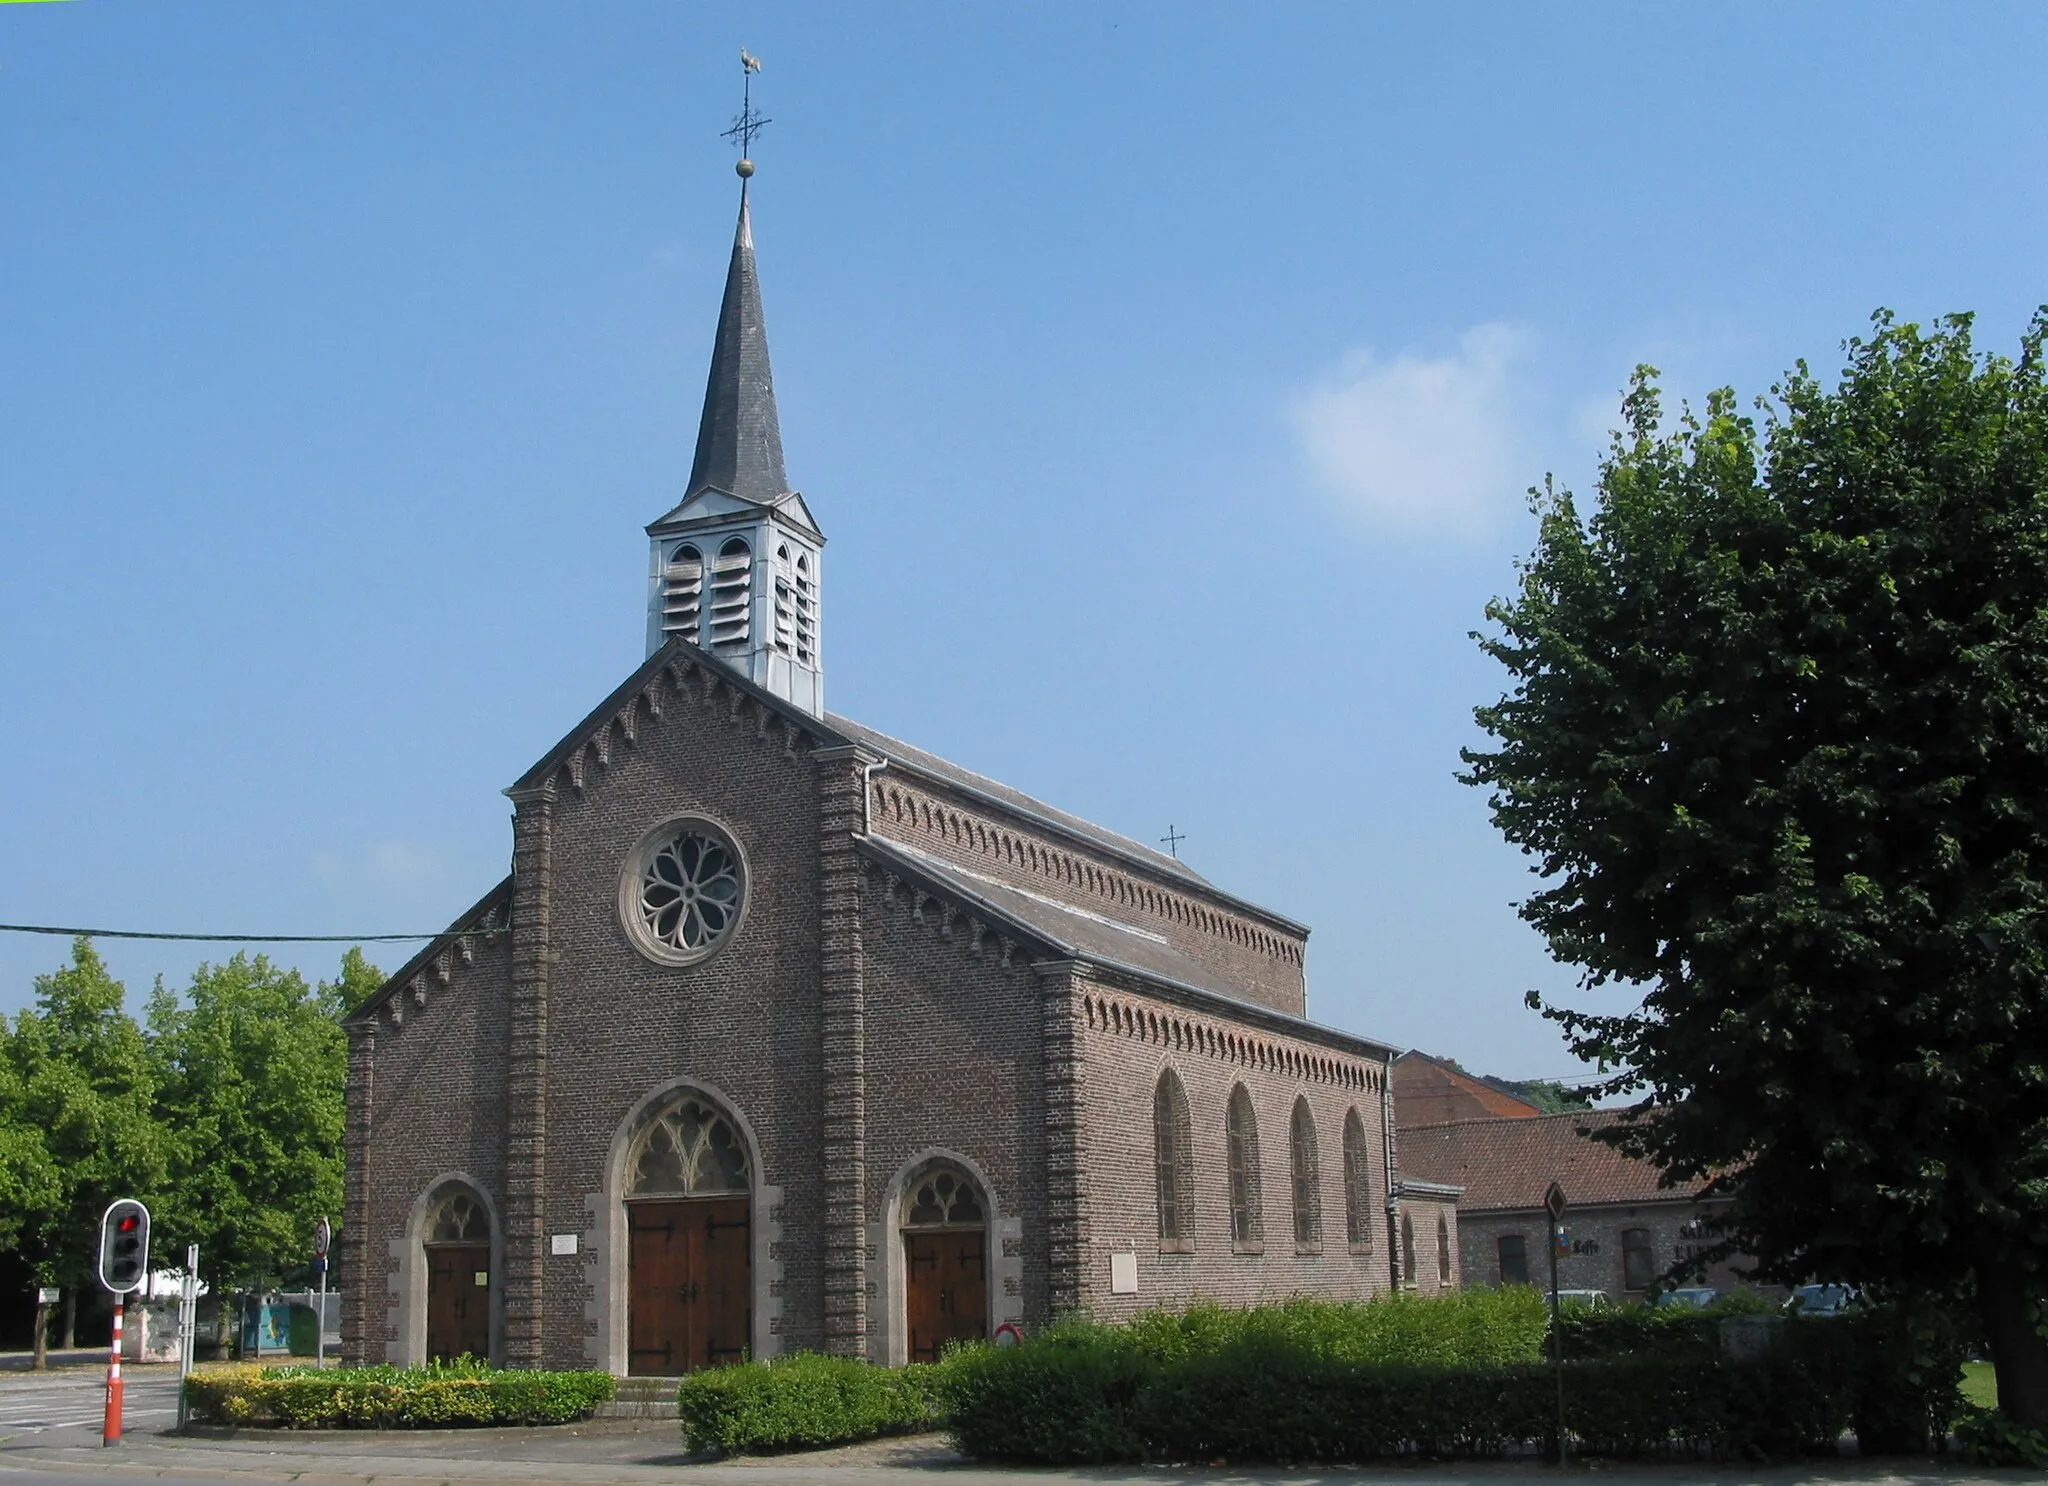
pixel 240 938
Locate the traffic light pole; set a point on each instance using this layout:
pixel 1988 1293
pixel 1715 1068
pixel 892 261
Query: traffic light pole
pixel 110 1433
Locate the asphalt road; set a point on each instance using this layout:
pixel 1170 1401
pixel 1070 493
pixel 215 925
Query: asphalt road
pixel 68 1405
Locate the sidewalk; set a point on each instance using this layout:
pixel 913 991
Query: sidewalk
pixel 650 1451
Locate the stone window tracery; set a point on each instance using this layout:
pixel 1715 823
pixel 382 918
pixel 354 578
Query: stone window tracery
pixel 683 890
pixel 1174 1159
pixel 460 1218
pixel 944 1198
pixel 1302 1166
pixel 689 1150
pixel 1241 1140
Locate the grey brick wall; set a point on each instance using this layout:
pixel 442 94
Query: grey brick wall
pixel 1596 1237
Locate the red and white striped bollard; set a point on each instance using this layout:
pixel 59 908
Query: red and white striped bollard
pixel 110 1433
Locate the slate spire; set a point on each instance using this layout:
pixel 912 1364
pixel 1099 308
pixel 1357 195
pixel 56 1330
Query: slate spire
pixel 739 439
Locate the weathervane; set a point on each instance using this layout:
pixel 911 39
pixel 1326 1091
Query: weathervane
pixel 746 124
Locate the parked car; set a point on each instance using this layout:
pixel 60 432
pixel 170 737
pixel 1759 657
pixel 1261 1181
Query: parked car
pixel 1688 1298
pixel 1595 1300
pixel 1822 1300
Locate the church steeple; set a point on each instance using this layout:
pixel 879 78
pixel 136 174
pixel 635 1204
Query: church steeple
pixel 736 567
pixel 739 438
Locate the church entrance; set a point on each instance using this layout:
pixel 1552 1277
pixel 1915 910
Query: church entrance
pixel 458 1246
pixel 690 1282
pixel 945 1262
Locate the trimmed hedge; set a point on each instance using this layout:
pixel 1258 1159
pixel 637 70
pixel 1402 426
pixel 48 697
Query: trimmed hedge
pixel 437 1396
pixel 802 1401
pixel 1271 1390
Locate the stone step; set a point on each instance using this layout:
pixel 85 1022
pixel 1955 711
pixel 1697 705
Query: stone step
pixel 620 1408
pixel 646 1389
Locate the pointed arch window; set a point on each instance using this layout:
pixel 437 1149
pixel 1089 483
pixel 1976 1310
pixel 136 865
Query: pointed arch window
pixel 682 593
pixel 785 602
pixel 1357 1185
pixel 1306 1179
pixel 1174 1162
pixel 732 595
pixel 806 612
pixel 689 1150
pixel 459 1218
pixel 1443 1249
pixel 1408 1249
pixel 1241 1142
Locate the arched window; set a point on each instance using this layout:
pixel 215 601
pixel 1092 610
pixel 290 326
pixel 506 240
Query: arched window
pixel 785 602
pixel 459 1218
pixel 682 592
pixel 1302 1166
pixel 1174 1159
pixel 1443 1249
pixel 1407 1248
pixel 806 612
pixel 732 594
pixel 944 1198
pixel 1357 1185
pixel 1241 1138
pixel 689 1150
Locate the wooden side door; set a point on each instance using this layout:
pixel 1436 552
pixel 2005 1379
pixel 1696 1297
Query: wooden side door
pixel 458 1308
pixel 658 1278
pixel 722 1267
pixel 946 1290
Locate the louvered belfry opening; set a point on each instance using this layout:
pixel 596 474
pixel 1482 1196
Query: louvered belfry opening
pixel 732 595
pixel 682 593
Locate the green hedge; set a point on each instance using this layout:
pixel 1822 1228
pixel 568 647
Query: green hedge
pixel 1465 1328
pixel 802 1402
pixel 1269 1385
pixel 437 1396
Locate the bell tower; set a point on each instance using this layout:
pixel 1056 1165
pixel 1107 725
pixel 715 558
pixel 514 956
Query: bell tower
pixel 735 568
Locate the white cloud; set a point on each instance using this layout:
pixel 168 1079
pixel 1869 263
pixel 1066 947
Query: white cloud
pixel 1422 445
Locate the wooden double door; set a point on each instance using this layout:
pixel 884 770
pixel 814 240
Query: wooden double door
pixel 690 1286
pixel 946 1284
pixel 458 1301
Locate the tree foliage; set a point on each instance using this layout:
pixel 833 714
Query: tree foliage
pixel 1777 737
pixel 222 1111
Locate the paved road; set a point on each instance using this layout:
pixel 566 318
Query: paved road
pixel 69 1403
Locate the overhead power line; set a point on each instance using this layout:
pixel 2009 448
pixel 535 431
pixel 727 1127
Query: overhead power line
pixel 72 933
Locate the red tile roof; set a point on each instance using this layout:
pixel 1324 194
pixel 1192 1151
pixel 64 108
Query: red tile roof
pixel 1509 1164
pixel 1429 1091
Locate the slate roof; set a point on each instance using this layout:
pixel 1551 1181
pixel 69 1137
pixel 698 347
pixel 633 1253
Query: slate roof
pixel 739 438
pixel 1083 934
pixel 1507 1165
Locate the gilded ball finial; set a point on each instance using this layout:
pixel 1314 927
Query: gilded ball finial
pixel 745 167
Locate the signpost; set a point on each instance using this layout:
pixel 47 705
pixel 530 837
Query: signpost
pixel 323 1239
pixel 1554 1204
pixel 124 1265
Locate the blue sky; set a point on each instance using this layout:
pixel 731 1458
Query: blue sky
pixel 1166 378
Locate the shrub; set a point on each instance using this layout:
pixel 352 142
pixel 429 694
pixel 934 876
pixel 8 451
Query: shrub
pixel 437 1396
pixel 805 1400
pixel 1063 1398
pixel 1464 1328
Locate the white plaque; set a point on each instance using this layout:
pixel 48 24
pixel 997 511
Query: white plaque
pixel 1123 1274
pixel 562 1243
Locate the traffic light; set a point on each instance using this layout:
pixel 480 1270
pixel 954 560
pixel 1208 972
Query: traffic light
pixel 124 1246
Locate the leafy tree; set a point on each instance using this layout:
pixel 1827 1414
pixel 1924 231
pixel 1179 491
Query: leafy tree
pixel 358 982
pixel 1777 736
pixel 252 1065
pixel 84 1084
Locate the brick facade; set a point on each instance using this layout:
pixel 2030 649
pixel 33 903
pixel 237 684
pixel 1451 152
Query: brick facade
pixel 891 996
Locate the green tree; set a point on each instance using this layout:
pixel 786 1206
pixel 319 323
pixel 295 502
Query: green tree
pixel 1777 737
pixel 79 1076
pixel 252 1065
pixel 358 982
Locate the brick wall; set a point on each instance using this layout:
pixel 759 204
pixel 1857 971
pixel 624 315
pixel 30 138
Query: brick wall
pixel 1596 1237
pixel 1128 1040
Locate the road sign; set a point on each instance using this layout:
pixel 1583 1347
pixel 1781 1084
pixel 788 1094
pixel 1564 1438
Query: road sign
pixel 323 1239
pixel 1554 1203
pixel 124 1246
pixel 48 1295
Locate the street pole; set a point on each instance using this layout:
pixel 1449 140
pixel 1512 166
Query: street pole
pixel 1554 1204
pixel 110 1430
pixel 188 1326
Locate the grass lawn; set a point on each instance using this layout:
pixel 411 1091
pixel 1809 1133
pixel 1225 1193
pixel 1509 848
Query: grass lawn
pixel 1979 1386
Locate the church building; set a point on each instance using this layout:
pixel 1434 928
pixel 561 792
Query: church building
pixel 785 1035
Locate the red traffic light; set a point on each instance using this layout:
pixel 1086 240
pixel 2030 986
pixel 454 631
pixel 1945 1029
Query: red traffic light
pixel 127 1223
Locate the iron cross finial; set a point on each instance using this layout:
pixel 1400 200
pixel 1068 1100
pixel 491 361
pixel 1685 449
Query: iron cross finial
pixel 746 124
pixel 1172 840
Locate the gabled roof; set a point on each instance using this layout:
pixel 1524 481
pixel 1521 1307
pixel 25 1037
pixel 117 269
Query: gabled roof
pixel 1075 933
pixel 1431 1091
pixel 1507 1165
pixel 739 437
pixel 488 916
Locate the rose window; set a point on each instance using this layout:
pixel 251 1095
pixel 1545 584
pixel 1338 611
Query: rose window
pixel 683 891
